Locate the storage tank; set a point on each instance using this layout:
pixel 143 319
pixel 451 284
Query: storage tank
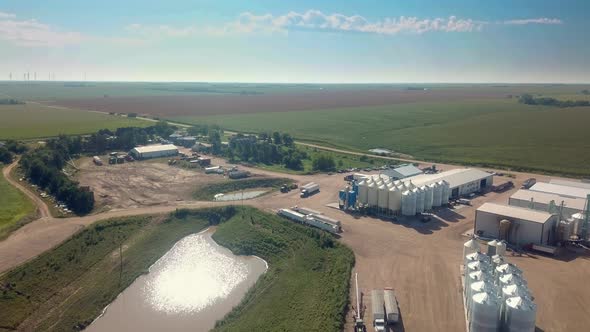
pixel 477 276
pixel 497 260
pixel 408 203
pixel 352 197
pixel 510 279
pixel 508 268
pixel 520 315
pixel 446 192
pixel 383 197
pixel 397 182
pixel 501 248
pixel 372 194
pixel 476 257
pixel 492 247
pixel 470 247
pixel 363 192
pixel 395 199
pixel 428 197
pixel 410 185
pixel 436 194
pixel 479 287
pixel 514 291
pixel 485 313
pixel 419 200
pixel 505 225
pixel 578 220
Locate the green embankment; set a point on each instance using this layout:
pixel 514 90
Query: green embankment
pixel 36 121
pixel 207 192
pixel 495 132
pixel 14 207
pixel 66 288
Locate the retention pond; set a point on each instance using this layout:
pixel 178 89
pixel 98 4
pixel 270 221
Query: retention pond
pixel 192 286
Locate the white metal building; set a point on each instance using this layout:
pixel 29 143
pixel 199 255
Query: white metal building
pixel 154 151
pixel 540 201
pixel 402 172
pixel 526 226
pixel 578 184
pixel 561 190
pixel 462 181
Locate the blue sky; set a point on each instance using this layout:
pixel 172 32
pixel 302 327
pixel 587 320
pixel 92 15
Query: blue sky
pixel 297 41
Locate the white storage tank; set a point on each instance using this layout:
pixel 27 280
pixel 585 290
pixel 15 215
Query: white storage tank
pixel 485 313
pixel 363 192
pixel 514 291
pixel 508 268
pixel 510 279
pixel 436 194
pixel 476 257
pixel 470 247
pixel 497 260
pixel 479 287
pixel 477 276
pixel 520 315
pixel 372 195
pixel 492 245
pixel 408 203
pixel 395 199
pixel 446 193
pixel 501 248
pixel 419 200
pixel 397 182
pixel 383 197
pixel 428 196
pixel 410 185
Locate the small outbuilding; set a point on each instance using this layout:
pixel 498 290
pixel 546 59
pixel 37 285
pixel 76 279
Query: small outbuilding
pixel 517 225
pixel 154 151
pixel 202 147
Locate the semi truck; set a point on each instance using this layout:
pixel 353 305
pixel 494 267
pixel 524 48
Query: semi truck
pixel 309 189
pixel 378 310
pixel 391 307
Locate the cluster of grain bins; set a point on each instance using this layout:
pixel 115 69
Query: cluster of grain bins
pixel 312 218
pixel 495 292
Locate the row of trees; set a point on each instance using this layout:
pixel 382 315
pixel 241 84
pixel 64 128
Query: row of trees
pixel 9 149
pixel 10 101
pixel 548 101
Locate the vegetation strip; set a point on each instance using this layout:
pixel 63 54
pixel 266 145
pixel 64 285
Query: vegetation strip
pixel 14 207
pixel 83 275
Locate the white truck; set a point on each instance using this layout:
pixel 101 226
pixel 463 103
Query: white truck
pixel 309 189
pixel 378 310
pixel 391 306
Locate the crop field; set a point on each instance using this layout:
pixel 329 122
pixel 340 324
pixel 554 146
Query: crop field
pixel 14 206
pixel 36 121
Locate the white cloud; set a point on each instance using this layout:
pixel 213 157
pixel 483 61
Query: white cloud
pixel 540 20
pixel 6 15
pixel 160 30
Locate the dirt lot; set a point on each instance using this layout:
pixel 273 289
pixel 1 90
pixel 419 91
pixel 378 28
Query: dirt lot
pixel 183 105
pixel 138 184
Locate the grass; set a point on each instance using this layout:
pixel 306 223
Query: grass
pixel 37 121
pixel 14 208
pixel 207 192
pixel 66 288
pixel 496 132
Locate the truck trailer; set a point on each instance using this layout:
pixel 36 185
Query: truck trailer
pixel 391 307
pixel 378 310
pixel 309 189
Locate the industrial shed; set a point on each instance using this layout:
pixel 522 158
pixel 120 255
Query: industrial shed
pixel 462 181
pixel 561 190
pixel 540 201
pixel 154 151
pixel 524 226
pixel 402 172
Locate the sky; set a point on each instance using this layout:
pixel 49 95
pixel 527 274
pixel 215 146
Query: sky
pixel 331 41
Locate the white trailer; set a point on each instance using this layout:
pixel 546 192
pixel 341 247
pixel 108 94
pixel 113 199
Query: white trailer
pixel 378 309
pixel 391 306
pixel 304 210
pixel 309 189
pixel 292 215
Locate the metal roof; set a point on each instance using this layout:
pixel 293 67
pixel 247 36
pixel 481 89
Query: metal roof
pixel 560 189
pixel 403 171
pixel 585 185
pixel 455 177
pixel 155 148
pixel 546 198
pixel 515 212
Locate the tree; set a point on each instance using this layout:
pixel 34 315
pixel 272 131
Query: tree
pixel 163 129
pixel 5 156
pixel 276 137
pixel 215 141
pixel 287 140
pixel 324 163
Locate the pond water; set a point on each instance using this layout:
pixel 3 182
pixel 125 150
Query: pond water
pixel 238 195
pixel 192 286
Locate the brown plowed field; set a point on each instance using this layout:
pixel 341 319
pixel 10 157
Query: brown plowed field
pixel 244 104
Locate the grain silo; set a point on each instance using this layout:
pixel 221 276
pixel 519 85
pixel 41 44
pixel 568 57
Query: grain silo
pixel 428 198
pixel 479 287
pixel 383 197
pixel 520 315
pixel 395 199
pixel 419 200
pixel 363 192
pixel 408 203
pixel 476 257
pixel 492 246
pixel 511 279
pixel 485 313
pixel 497 260
pixel 501 248
pixel 476 276
pixel 372 195
pixel 507 269
pixel 446 192
pixel 436 194
pixel 470 247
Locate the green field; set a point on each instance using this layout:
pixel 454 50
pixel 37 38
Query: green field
pixel 37 121
pixel 14 207
pixel 498 132
pixel 81 276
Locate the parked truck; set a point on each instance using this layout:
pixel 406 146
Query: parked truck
pixel 309 189
pixel 529 183
pixel 391 307
pixel 378 310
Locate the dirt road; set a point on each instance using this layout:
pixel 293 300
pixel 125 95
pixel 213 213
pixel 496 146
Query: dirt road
pixel 42 208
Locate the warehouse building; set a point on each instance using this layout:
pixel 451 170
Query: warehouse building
pixel 585 185
pixel 402 172
pixel 462 181
pixel 561 190
pixel 540 201
pixel 517 225
pixel 154 151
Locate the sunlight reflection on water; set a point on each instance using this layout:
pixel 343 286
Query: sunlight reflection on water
pixel 192 276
